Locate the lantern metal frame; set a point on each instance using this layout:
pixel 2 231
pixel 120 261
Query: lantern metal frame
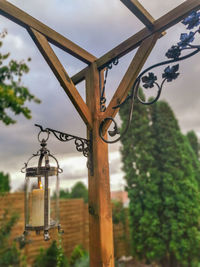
pixel 37 172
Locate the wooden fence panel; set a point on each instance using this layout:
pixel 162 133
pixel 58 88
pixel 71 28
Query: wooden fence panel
pixel 74 221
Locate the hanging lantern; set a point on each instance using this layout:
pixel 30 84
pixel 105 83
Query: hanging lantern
pixel 42 191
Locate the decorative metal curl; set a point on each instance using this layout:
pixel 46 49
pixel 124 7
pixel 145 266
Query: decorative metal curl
pixel 102 91
pixel 82 145
pixel 149 81
pixel 115 130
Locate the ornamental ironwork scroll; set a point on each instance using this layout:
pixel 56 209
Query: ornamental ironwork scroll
pixel 149 80
pixel 81 144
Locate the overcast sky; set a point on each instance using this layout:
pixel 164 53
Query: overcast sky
pixel 97 26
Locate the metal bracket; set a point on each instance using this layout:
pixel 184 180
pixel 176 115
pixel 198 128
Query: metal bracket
pixel 82 145
pixel 103 86
pixel 150 80
pixel 92 211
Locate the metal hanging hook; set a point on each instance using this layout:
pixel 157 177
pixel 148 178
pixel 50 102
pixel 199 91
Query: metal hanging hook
pixel 43 139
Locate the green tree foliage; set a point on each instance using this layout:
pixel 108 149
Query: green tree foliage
pixel 162 174
pixel 13 95
pixel 118 212
pixel 79 190
pixel 4 183
pixel 177 173
pixel 137 164
pixel 193 140
pixel 65 194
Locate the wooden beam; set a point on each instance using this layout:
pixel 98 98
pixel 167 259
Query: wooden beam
pixel 130 76
pixel 100 211
pixel 20 17
pixel 140 12
pixel 61 75
pixel 80 76
pixel 160 25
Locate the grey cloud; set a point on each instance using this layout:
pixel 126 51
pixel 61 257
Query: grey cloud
pixel 158 8
pixel 115 166
pixel 71 174
pixel 95 25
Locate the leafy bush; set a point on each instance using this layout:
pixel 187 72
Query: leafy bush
pixel 78 255
pixel 9 254
pixel 51 257
pixel 54 257
pixel 83 262
pixel 10 257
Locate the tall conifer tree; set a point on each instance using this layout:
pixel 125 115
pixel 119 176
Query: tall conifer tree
pixel 177 175
pixel 163 190
pixel 193 140
pixel 138 167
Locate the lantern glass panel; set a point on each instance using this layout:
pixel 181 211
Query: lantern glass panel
pixel 42 193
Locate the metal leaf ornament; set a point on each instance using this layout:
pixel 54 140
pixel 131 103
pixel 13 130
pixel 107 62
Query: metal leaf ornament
pixel 192 20
pixel 149 80
pixel 186 39
pixel 170 73
pixel 174 52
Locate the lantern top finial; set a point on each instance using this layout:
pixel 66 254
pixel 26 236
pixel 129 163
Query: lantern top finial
pixel 43 154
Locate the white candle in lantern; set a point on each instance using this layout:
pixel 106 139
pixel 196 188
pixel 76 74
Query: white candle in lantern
pixel 38 206
pixel 49 206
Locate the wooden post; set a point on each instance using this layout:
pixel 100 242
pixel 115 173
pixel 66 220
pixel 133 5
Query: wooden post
pixel 100 212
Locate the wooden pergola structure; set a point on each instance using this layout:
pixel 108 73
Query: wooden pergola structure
pixel 100 217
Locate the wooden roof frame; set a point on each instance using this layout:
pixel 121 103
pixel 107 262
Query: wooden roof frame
pixel 100 215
